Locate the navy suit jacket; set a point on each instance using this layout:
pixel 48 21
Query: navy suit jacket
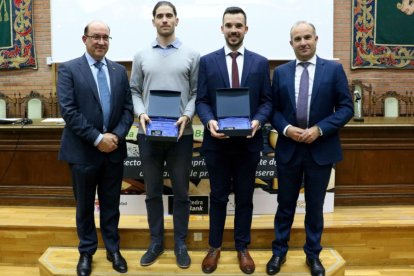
pixel 331 108
pixel 212 75
pixel 81 109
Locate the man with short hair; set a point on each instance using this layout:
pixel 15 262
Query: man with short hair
pixel 95 102
pixel 311 102
pixel 232 161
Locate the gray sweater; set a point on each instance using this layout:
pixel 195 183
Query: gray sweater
pixel 177 70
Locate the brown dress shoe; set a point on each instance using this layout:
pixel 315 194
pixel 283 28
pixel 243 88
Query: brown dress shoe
pixel 210 260
pixel 246 262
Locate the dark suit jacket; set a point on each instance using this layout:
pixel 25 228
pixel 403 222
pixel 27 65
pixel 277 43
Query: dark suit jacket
pixel 331 108
pixel 81 109
pixel 213 74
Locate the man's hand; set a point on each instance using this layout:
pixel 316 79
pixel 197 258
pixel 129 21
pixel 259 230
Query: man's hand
pixel 108 143
pixel 182 123
pixel 255 125
pixel 144 120
pixel 213 127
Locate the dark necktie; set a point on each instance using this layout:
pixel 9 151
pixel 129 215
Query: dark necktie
pixel 104 93
pixel 234 70
pixel 302 102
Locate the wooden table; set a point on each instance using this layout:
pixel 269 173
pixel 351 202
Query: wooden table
pixel 378 165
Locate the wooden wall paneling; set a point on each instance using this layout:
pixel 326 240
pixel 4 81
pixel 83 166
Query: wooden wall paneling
pixel 30 173
pixel 377 166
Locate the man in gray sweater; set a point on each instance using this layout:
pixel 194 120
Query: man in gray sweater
pixel 166 65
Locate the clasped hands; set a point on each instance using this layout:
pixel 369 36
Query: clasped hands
pixel 108 143
pixel 301 135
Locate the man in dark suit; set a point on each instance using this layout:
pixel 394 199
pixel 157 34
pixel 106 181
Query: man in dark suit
pixel 308 142
pixel 232 161
pixel 96 104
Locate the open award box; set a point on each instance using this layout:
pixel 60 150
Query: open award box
pixel 164 111
pixel 233 111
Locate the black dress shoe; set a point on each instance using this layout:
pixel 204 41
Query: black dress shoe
pixel 316 267
pixel 274 264
pixel 118 262
pixel 84 267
